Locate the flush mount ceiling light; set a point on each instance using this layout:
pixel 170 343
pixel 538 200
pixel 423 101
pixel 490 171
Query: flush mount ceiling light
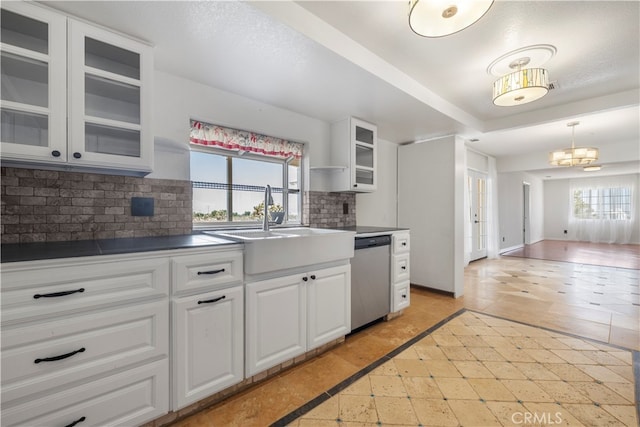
pixel 438 18
pixel 580 156
pixel 522 80
pixel 592 168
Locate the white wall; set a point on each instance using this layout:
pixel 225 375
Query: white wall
pixel 177 100
pixel 557 205
pixel 510 210
pixel 430 203
pixel 380 207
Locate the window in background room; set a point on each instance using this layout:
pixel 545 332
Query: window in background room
pixel 602 203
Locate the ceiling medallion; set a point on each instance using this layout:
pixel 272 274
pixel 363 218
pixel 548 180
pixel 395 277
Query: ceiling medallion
pixel 430 18
pixel 522 80
pixel 580 156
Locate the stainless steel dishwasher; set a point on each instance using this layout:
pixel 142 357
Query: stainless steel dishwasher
pixel 370 280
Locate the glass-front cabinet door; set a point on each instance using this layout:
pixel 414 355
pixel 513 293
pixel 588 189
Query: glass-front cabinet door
pixel 109 87
pixel 364 140
pixel 33 101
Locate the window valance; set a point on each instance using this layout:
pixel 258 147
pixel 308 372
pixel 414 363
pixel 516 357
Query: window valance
pixel 240 140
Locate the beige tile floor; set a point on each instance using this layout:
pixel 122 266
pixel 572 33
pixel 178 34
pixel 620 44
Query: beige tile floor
pixel 598 303
pixel 479 370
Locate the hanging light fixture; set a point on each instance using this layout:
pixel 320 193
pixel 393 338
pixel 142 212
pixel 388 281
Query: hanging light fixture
pixel 580 156
pixel 438 18
pixel 521 86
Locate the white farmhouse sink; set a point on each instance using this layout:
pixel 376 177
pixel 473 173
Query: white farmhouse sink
pixel 284 248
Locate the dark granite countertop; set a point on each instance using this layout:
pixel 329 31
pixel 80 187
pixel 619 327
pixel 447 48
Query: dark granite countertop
pixel 51 250
pixel 368 231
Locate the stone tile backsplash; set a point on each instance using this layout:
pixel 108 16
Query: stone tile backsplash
pixel 327 210
pixel 45 206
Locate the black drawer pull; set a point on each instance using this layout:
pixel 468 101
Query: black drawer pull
pixel 62 356
pixel 404 267
pixel 58 294
pixel 404 296
pixel 55 153
pixel 313 277
pixel 209 301
pixel 79 420
pixel 305 278
pixel 404 243
pixel 211 271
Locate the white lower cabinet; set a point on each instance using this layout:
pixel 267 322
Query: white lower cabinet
pixel 400 271
pixel 289 315
pixel 401 297
pixel 85 341
pixel 208 344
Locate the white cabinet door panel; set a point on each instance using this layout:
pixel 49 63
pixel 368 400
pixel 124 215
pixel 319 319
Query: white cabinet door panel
pixel 276 322
pixel 329 296
pixel 208 344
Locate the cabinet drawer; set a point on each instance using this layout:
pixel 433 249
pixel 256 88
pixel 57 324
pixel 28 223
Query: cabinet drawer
pixel 128 398
pixel 32 291
pixel 401 297
pixel 400 270
pixel 401 242
pixel 94 344
pixel 206 271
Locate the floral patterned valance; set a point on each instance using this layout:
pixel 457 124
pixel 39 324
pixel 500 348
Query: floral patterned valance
pixel 240 140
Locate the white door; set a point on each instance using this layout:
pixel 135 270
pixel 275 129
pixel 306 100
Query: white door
pixel 208 344
pixel 329 296
pixel 477 189
pixel 276 328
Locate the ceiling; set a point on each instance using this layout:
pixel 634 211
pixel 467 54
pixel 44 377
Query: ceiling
pixel 332 59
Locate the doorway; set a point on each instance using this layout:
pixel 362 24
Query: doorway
pixel 477 186
pixel 526 213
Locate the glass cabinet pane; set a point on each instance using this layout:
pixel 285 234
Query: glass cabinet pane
pixel 24 128
pixel 364 176
pixel 27 33
pixel 111 58
pixel 112 100
pixel 364 135
pixel 364 156
pixel 109 140
pixel 24 80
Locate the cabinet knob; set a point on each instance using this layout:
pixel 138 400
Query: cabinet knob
pixel 305 278
pixel 313 277
pixel 355 185
pixel 404 243
pixel 55 153
pixel 404 267
pixel 404 295
pixel 77 155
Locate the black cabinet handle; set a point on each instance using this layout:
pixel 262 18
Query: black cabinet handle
pixel 313 277
pixel 209 301
pixel 476 221
pixel 404 243
pixel 355 185
pixel 77 155
pixel 58 294
pixel 305 278
pixel 211 271
pixel 404 267
pixel 79 420
pixel 62 356
pixel 404 296
pixel 55 153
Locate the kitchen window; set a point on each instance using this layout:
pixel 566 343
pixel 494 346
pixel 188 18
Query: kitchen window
pixel 229 184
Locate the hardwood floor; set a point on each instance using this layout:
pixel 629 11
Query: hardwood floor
pixel 599 303
pixel 603 254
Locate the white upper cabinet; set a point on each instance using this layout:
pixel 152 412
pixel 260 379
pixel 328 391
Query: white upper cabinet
pixel 109 82
pixel 354 145
pixel 74 94
pixel 34 90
